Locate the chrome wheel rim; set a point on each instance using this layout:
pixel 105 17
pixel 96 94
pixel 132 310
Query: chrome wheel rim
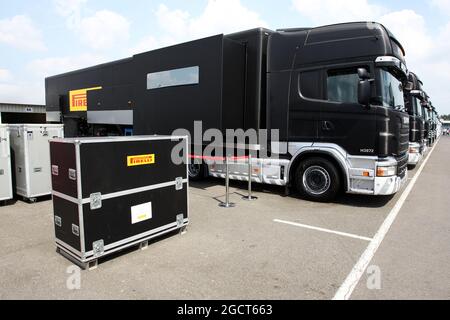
pixel 194 169
pixel 316 180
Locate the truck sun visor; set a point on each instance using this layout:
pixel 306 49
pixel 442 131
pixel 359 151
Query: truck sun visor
pixel 392 62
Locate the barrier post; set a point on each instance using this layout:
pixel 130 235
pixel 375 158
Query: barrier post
pixel 227 203
pixel 249 197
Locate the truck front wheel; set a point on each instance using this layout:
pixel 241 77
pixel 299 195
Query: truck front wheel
pixel 317 179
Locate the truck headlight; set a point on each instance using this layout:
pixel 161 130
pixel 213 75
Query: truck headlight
pixel 386 171
pixel 414 149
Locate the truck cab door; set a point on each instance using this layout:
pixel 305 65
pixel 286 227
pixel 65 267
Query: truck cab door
pixel 343 121
pixel 305 100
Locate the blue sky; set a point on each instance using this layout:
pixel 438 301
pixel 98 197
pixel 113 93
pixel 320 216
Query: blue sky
pixel 47 37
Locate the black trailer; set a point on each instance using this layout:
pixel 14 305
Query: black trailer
pixel 112 193
pixel 219 80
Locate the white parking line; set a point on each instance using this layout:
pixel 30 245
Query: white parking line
pixel 346 289
pixel 323 230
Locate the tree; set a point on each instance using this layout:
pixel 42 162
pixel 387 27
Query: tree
pixel 445 117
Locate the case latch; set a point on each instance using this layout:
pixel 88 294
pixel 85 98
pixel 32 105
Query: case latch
pixel 180 220
pixel 58 221
pixel 72 174
pixel 75 230
pixel 55 170
pixel 95 201
pixel 98 248
pixel 178 183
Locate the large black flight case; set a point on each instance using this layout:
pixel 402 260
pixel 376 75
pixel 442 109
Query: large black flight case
pixel 110 193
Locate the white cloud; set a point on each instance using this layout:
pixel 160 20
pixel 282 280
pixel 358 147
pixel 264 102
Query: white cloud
pixel 71 10
pixel 322 12
pixel 68 7
pixel 218 16
pixel 434 69
pixel 20 32
pixel 32 90
pixel 224 16
pixel 443 40
pixel 146 44
pixel 15 93
pixel 9 93
pixel 426 52
pixel 174 22
pixel 5 75
pixel 442 5
pixel 100 31
pixel 104 30
pixel 418 43
pixel 42 68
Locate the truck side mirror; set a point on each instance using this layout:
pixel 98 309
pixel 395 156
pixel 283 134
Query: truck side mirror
pixel 408 86
pixel 363 74
pixel 364 91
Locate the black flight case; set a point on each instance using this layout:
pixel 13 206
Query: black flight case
pixel 111 193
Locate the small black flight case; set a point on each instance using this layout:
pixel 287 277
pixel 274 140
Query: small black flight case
pixel 110 193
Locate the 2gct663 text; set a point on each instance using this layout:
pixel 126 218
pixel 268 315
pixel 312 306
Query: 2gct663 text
pixel 246 309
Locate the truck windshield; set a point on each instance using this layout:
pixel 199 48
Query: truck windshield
pixel 417 107
pixel 392 90
pixel 425 113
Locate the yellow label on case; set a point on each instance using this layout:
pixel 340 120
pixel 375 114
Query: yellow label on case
pixel 141 212
pixel 140 160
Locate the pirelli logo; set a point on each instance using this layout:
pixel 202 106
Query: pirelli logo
pixel 78 99
pixel 140 160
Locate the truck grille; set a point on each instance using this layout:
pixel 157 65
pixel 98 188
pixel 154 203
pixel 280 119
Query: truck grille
pixel 403 142
pixel 402 165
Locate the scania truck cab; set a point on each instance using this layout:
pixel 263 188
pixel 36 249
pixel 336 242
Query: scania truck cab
pixel 439 125
pixel 334 94
pixel 432 123
pixel 426 117
pixel 413 101
pixel 434 117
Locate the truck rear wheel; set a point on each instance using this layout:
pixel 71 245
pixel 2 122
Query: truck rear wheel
pixel 318 179
pixel 196 171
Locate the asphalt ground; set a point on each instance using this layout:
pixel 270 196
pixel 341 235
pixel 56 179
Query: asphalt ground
pixel 276 247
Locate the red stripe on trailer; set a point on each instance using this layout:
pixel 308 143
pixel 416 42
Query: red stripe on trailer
pixel 193 156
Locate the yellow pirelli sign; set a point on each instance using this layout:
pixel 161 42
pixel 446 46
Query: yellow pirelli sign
pixel 140 160
pixel 78 99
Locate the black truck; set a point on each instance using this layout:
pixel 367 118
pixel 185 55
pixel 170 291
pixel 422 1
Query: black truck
pixel 415 103
pixel 430 121
pixel 435 121
pixel 334 93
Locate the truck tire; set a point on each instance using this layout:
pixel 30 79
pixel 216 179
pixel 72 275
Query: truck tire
pixel 196 171
pixel 318 179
